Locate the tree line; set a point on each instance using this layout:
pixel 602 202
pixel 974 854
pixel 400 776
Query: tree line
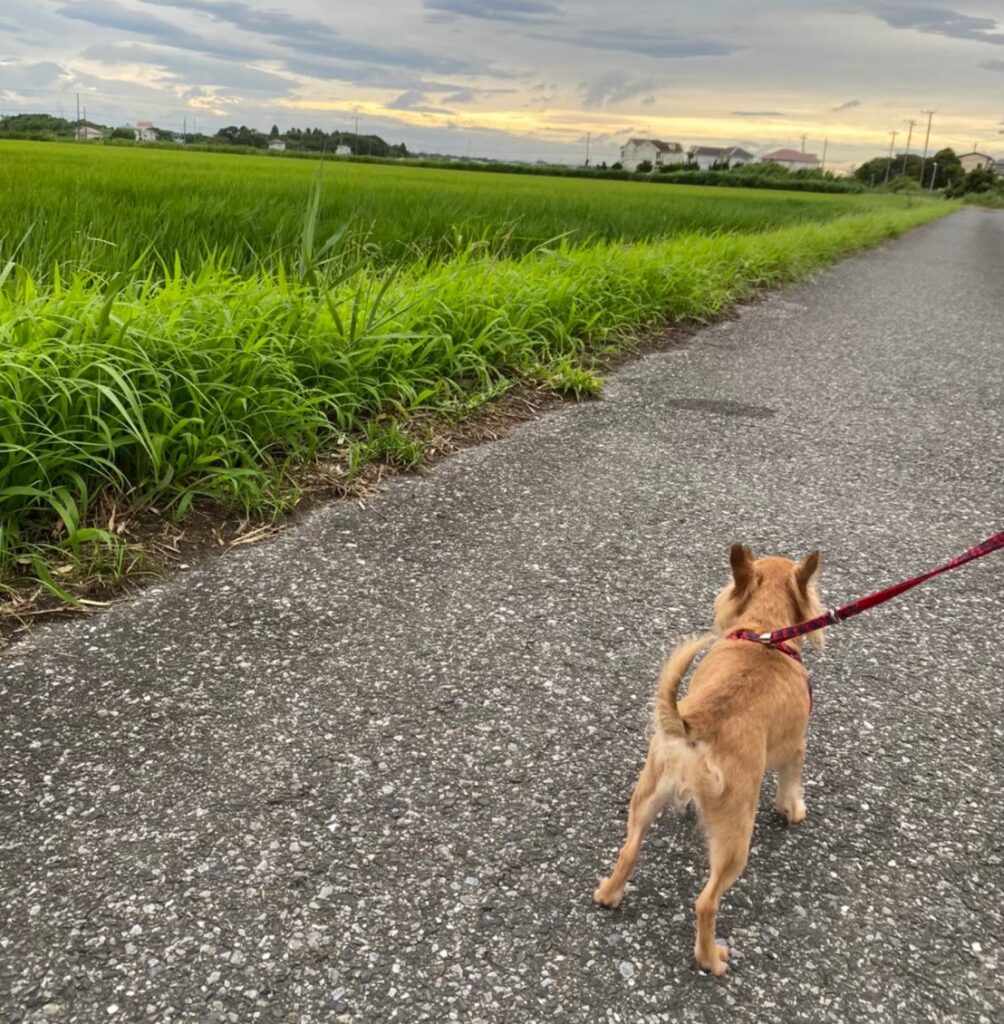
pixel 47 126
pixel 944 171
pixel 312 140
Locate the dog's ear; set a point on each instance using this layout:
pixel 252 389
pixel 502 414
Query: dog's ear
pixel 741 560
pixel 806 571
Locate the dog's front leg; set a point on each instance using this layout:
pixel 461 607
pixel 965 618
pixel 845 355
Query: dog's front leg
pixel 646 804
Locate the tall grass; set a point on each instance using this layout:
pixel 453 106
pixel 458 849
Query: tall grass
pixel 159 385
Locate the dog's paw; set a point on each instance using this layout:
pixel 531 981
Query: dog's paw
pixel 792 812
pixel 607 895
pixel 717 964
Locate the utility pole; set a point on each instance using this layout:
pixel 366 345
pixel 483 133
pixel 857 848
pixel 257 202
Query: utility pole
pixel 589 136
pixel 822 163
pixel 909 136
pixel 888 163
pixel 934 174
pixel 923 159
pixel 804 137
pixel 78 118
pixel 355 151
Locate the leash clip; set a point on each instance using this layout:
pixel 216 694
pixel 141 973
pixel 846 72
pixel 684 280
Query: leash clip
pixel 764 638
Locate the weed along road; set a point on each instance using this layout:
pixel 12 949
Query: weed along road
pixel 371 771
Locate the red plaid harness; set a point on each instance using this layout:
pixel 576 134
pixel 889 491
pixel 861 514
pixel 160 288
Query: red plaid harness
pixel 777 638
pixel 748 634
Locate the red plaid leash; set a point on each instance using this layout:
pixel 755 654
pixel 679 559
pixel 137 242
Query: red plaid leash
pixel 836 615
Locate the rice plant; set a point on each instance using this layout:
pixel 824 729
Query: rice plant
pixel 193 363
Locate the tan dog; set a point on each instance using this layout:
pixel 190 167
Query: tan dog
pixel 745 713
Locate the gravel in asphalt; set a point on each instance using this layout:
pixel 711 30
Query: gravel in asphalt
pixel 371 771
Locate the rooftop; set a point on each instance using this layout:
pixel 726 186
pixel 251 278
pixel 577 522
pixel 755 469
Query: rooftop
pixel 792 156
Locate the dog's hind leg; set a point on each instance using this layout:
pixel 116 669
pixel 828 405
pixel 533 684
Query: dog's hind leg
pixel 789 803
pixel 646 803
pixel 728 849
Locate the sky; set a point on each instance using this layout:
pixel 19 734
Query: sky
pixel 525 79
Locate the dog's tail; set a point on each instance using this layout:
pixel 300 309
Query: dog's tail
pixel 667 717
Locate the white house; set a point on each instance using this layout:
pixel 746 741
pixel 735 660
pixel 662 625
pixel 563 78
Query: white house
pixel 657 152
pixel 276 145
pixel 974 161
pixel 724 156
pixel 85 133
pixel 791 158
pixel 144 132
pixel 343 150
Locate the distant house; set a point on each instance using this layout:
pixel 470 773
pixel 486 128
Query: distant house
pixel 975 161
pixel 276 145
pixel 655 151
pixel 144 131
pixel 179 139
pixel 85 133
pixel 724 156
pixel 999 167
pixel 343 150
pixel 791 158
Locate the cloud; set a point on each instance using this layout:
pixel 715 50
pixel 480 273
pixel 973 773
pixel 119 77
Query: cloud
pixel 192 69
pixel 992 65
pixel 848 105
pixel 416 101
pixel 532 11
pixel 304 35
pixel 648 44
pixel 614 87
pixel 110 15
pixel 374 76
pixel 298 35
pixel 23 78
pixel 938 21
pixel 756 113
pixel 470 95
pixel 274 24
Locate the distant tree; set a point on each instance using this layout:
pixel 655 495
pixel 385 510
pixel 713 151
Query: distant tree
pixel 39 125
pixel 950 171
pixel 979 180
pixel 122 133
pixel 242 136
pixel 871 172
pixel 645 167
pixel 618 166
pixel 274 133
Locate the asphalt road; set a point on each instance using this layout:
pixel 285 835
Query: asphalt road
pixel 372 770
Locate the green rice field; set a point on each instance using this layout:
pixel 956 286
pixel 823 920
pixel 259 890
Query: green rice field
pixel 178 326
